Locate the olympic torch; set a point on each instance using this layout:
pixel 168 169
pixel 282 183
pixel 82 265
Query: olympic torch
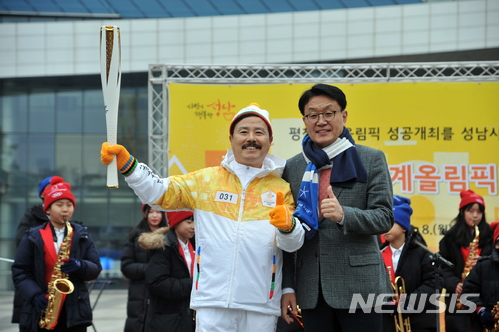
pixel 110 65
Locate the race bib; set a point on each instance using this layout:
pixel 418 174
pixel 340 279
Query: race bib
pixel 226 197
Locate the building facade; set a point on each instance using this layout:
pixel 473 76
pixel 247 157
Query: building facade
pixel 51 104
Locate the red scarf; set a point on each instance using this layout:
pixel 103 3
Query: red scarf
pixel 465 252
pixel 50 256
pixel 191 251
pixel 387 258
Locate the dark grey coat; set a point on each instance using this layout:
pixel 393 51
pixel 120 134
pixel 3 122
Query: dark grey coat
pixel 345 259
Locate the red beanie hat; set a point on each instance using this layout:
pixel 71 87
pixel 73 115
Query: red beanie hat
pixel 174 218
pixel 495 229
pixel 468 197
pixel 144 209
pixel 58 190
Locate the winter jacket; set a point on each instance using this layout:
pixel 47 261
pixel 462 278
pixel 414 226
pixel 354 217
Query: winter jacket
pixel 134 261
pixel 28 274
pixel 169 284
pixel 415 268
pixel 34 216
pixel 238 250
pixel 484 280
pixel 450 250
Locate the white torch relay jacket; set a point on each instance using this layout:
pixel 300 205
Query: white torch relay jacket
pixel 238 260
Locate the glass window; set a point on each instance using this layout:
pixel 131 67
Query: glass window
pixel 15 158
pixel 68 155
pixel 94 115
pixel 41 111
pixel 93 171
pixel 56 126
pixel 14 112
pixel 131 117
pixel 41 155
pixel 68 111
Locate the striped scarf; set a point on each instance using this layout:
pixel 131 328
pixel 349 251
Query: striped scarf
pixel 348 170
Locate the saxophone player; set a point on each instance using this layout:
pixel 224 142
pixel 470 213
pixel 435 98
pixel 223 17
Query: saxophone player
pixel 410 263
pixel 469 238
pixel 57 252
pixel 484 280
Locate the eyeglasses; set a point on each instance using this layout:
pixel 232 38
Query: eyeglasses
pixel 328 116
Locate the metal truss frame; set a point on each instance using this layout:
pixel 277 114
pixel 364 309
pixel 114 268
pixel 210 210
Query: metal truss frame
pixel 160 75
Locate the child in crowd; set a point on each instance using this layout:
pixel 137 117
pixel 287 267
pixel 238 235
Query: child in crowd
pixel 408 260
pixel 469 238
pixel 169 274
pixel 57 249
pixel 134 261
pixel 34 216
pixel 484 280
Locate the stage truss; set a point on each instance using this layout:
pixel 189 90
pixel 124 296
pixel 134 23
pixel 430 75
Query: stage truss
pixel 160 75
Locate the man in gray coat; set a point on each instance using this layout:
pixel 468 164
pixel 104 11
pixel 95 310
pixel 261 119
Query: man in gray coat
pixel 338 273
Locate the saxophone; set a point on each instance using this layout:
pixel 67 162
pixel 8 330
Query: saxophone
pixel 468 265
pixel 59 285
pixel 495 316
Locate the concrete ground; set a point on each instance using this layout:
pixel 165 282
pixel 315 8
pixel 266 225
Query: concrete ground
pixel 109 313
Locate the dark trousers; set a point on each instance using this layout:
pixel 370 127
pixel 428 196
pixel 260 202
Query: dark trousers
pixel 63 327
pixel 460 322
pixel 323 318
pixel 389 325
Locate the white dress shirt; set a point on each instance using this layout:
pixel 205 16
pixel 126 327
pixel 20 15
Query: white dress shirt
pixel 187 255
pixel 59 233
pixel 396 256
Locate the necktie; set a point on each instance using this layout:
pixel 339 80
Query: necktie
pixel 324 182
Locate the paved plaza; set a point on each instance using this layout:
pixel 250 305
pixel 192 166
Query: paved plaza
pixel 109 313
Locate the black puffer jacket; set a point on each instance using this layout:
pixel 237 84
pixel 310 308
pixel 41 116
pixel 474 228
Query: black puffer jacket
pixel 34 216
pixel 28 274
pixel 134 261
pixel 415 268
pixel 450 250
pixel 169 284
pixel 484 280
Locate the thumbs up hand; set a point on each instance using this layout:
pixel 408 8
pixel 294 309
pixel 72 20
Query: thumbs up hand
pixel 331 207
pixel 280 216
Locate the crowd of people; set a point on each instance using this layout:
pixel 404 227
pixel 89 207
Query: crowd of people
pixel 259 243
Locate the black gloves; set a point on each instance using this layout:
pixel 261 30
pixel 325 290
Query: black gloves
pixel 486 319
pixel 71 265
pixel 40 302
